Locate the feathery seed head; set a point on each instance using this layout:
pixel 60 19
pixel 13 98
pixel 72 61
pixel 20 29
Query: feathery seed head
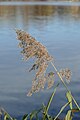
pixel 32 48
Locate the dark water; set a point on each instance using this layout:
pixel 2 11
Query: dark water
pixel 55 26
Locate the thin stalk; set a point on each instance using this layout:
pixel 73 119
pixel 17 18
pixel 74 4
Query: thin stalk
pixel 75 102
pixel 51 98
pixel 60 77
pixel 4 111
pixel 65 85
pixel 49 102
pixel 61 110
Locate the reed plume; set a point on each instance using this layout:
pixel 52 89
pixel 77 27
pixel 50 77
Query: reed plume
pixel 32 48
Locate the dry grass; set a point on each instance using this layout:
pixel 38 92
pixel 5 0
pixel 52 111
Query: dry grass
pixel 32 48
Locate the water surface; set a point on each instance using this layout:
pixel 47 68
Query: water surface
pixel 58 28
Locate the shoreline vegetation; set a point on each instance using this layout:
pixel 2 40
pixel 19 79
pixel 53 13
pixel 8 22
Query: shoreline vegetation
pixel 31 48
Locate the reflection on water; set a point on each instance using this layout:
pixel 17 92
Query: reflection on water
pixel 58 28
pixel 8 11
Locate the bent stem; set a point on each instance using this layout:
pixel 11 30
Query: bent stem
pixel 65 84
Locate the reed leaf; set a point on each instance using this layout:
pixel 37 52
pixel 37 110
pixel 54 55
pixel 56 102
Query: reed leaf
pixel 25 117
pixel 68 116
pixel 69 97
pixel 51 98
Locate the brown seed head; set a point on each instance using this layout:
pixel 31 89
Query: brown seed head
pixel 32 48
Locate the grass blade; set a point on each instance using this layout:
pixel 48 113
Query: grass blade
pixel 68 116
pixel 51 98
pixel 61 110
pixel 69 97
pixel 25 117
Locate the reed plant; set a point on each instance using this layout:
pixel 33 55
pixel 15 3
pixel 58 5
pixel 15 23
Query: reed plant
pixel 31 48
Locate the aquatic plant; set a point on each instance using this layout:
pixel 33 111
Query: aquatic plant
pixel 34 49
pixel 31 48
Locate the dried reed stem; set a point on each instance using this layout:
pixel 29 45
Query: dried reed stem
pixel 65 85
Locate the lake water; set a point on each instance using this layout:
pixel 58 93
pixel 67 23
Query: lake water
pixel 55 25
